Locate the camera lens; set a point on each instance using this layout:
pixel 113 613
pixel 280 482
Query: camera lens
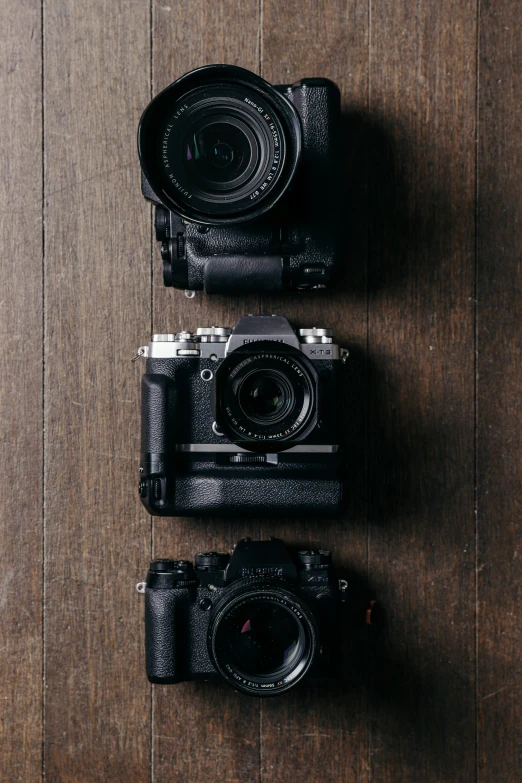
pixel 263 641
pixel 223 154
pixel 219 145
pixel 219 155
pixel 265 396
pixel 265 399
pixel 217 152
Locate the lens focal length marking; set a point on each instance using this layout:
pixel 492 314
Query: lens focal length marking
pixel 228 89
pixel 290 415
pixel 264 640
pixel 265 142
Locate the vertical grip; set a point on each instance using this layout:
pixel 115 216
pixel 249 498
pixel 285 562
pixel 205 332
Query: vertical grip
pixel 239 273
pixel 157 485
pixel 160 636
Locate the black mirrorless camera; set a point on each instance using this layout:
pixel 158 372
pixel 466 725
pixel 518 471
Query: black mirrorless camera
pixel 241 420
pixel 245 177
pixel 262 618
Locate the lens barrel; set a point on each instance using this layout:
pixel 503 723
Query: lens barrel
pixel 220 145
pixel 262 638
pixel 265 396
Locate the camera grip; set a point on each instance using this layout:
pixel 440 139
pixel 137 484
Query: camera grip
pixel 160 636
pixel 240 274
pixel 158 398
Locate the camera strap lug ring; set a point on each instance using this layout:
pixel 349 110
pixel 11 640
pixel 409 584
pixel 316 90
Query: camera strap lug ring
pixel 141 352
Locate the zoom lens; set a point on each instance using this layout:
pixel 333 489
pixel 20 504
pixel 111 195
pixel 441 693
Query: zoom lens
pixel 218 151
pixel 263 641
pixel 219 145
pixel 219 155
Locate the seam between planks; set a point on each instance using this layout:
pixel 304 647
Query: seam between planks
pixel 476 386
pixel 369 775
pixel 43 444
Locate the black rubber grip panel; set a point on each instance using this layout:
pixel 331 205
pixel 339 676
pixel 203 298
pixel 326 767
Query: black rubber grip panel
pixel 158 394
pixel 241 493
pixel 160 636
pixel 237 274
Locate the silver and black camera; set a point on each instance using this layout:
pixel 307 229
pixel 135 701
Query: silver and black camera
pixel 244 420
pixel 262 618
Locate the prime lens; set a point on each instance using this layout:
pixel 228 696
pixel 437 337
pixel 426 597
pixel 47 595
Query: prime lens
pixel 262 639
pixel 265 397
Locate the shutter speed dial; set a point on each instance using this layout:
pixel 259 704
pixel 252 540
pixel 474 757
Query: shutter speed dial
pixel 315 335
pixel 315 558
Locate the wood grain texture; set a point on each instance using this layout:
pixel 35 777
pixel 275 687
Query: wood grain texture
pixel 499 435
pixel 97 294
pixel 421 423
pixel 434 695
pixel 21 460
pixel 199 730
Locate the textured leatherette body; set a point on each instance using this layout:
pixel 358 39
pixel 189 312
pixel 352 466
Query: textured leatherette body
pixel 296 245
pixel 176 631
pixel 176 409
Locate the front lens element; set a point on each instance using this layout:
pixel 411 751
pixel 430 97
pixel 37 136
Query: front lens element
pixel 217 153
pixel 222 154
pixel 265 396
pixel 264 639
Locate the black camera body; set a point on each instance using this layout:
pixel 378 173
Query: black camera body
pixel 244 420
pixel 262 618
pixel 246 181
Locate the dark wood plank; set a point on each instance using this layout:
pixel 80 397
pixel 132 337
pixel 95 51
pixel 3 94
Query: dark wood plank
pixel 320 731
pixel 97 289
pixel 21 458
pixel 499 377
pixel 200 728
pixel 421 423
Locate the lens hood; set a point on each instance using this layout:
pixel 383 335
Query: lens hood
pixel 263 126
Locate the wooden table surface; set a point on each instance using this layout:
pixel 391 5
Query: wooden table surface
pixel 430 305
